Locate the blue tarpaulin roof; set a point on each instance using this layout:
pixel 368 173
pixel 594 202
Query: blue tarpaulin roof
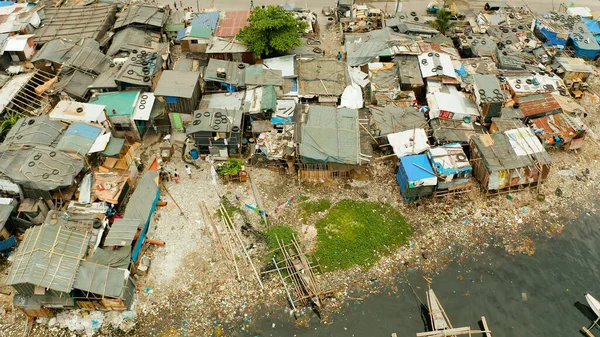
pixel 413 171
pixel 6 3
pixel 206 20
pixel 589 49
pixel 592 25
pixel 79 137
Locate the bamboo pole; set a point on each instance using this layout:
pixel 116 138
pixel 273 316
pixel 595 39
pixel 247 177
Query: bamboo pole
pixel 224 212
pixel 233 256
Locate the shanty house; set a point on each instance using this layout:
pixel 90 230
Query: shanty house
pixel 142 16
pixel 71 112
pixel 392 119
pixel 330 141
pixel 383 78
pixel 451 165
pixel 142 69
pixel 18 47
pixel 217 132
pixel 196 37
pixel 321 80
pixel 223 75
pixel 489 97
pixel 408 142
pixel 127 111
pixel 573 69
pixel 510 159
pixel 229 49
pixel 415 177
pixel 447 131
pixel 566 131
pixel 231 22
pixel 51 270
pixel 181 92
pixel 83 138
pixel 19 18
pixel 141 206
pixel 75 23
pixel 409 73
pixel 535 106
pixel 451 105
pixel 438 66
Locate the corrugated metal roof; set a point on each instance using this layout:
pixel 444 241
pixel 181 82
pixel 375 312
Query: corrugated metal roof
pixel 142 14
pixel 177 83
pixel 232 22
pixel 49 257
pixel 206 20
pixel 122 232
pixel 79 137
pixel 123 102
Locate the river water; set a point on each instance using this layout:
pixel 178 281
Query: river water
pixel 539 295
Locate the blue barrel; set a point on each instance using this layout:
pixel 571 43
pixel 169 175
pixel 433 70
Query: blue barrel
pixel 194 154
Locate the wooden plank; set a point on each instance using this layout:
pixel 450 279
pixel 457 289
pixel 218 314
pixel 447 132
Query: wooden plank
pixel 449 332
pixel 485 327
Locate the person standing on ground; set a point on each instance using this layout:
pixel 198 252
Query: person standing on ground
pixel 251 4
pixel 175 4
pixel 339 56
pixel 176 176
pixel 181 4
pixel 188 170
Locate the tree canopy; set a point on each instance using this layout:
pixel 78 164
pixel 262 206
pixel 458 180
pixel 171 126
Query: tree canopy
pixel 443 21
pixel 272 29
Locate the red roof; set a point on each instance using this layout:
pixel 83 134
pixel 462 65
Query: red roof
pixel 539 105
pixel 232 22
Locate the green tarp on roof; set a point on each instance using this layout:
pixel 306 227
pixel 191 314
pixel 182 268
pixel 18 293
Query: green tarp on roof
pixel 269 99
pixel 331 135
pixel 113 148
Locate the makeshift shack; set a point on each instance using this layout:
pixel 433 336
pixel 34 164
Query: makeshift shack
pixel 489 97
pixel 437 66
pixel 452 167
pixel 8 207
pixel 72 112
pixel 18 48
pixel 231 22
pixel 573 69
pixel 383 77
pixel 147 17
pixel 452 105
pixel 535 106
pixel 562 130
pixel 142 69
pixel 181 92
pixel 75 23
pixel 392 119
pixel 415 177
pixel 506 160
pixel 330 141
pixel 408 142
pixel 223 75
pixel 410 73
pixel 446 131
pixel 128 111
pixel 217 132
pixel 321 80
pixel 141 207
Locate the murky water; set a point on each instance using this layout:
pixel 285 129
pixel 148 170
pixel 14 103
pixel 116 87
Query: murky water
pixel 540 295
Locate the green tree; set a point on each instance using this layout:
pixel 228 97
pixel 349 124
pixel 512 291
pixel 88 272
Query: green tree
pixel 443 21
pixel 272 29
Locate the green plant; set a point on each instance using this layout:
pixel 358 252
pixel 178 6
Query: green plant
pixel 284 234
pixel 309 208
pixel 272 29
pixel 8 123
pixel 358 233
pixel 231 166
pixel 443 21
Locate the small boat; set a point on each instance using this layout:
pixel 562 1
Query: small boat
pixel 593 303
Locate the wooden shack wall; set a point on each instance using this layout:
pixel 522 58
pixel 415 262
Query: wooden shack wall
pixel 186 105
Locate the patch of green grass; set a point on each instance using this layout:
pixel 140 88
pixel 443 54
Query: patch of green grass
pixel 309 208
pixel 283 233
pixel 303 198
pixel 230 210
pixel 359 233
